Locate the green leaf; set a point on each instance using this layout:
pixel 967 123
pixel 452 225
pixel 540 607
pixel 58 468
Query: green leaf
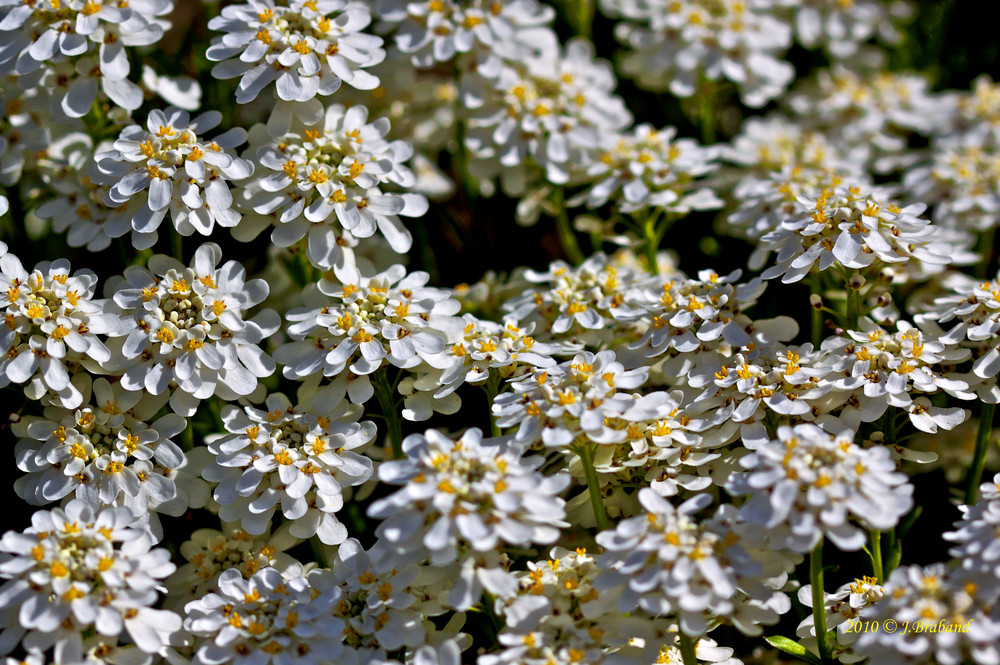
pixel 792 648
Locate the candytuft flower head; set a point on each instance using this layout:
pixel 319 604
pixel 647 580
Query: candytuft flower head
pixel 676 44
pixel 266 619
pixel 667 562
pixel 327 180
pixel 173 170
pixel 79 569
pixel 305 47
pixel 369 321
pixel 52 323
pixel 187 329
pixel 462 499
pixel 807 484
pixel 299 457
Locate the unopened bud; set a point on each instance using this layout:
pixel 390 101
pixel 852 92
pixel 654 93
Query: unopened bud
pixel 856 282
pixel 816 301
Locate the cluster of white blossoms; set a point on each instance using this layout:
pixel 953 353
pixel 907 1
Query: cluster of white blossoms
pixel 323 182
pixel 721 383
pixel 81 579
pixel 183 329
pixel 807 484
pixel 305 48
pixel 51 327
pixel 289 456
pixel 463 498
pixel 171 170
pixel 390 318
pixel 677 45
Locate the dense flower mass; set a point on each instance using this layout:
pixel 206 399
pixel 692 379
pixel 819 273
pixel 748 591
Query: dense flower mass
pixel 499 332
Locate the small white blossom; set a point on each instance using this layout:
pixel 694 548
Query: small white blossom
pixel 103 451
pixel 51 328
pixel 171 169
pixel 851 229
pixel 668 563
pixel 327 180
pixel 462 499
pixel 677 44
pixel 922 598
pixel 78 569
pixel 368 322
pixel 188 332
pixel 540 115
pixel 266 619
pixel 305 47
pixel 297 457
pixel 440 31
pixel 807 484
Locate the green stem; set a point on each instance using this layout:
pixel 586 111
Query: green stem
pixel 177 245
pixel 706 115
pixel 586 453
pixel 816 321
pixel 987 248
pixel 687 646
pixel 875 546
pixel 566 233
pixel 492 388
pixel 390 412
pixel 819 601
pixel 853 308
pixel 652 243
pixel 319 554
pixel 979 458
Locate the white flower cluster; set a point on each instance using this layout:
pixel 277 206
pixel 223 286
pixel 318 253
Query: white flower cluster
pixel 626 457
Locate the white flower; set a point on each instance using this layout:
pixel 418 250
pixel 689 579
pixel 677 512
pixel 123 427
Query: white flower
pixel 574 401
pixel 872 112
pixel 462 499
pixel 376 604
pixel 103 451
pixel 923 597
pixel 971 312
pixel 79 207
pixel 209 552
pixel 588 301
pixel 80 569
pixel 891 367
pixel 787 381
pixel 807 484
pixel 442 30
pixel 842 608
pixel 485 351
pixel 668 563
pixel 51 329
pixel 387 318
pixel 977 545
pixel 675 44
pixel 842 28
pixel 171 169
pixel 849 228
pixel 540 115
pixel 180 91
pixel 51 30
pixel 188 329
pixel 558 616
pixel 962 181
pixel 695 321
pixel 266 619
pixel 299 457
pixel 652 169
pixel 327 180
pixel 306 47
